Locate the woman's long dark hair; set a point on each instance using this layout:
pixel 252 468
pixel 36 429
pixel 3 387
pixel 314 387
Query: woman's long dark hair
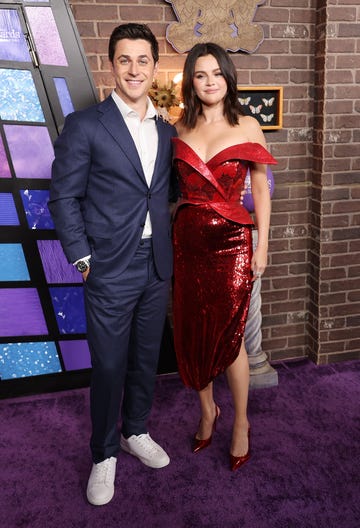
pixel 192 104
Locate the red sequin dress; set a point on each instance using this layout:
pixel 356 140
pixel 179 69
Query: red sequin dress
pixel 213 251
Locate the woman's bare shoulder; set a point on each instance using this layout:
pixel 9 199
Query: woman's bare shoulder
pixel 252 129
pixel 249 121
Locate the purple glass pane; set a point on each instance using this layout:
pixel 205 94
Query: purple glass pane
pixel 31 150
pixel 21 360
pixel 13 44
pixel 75 354
pixel 21 313
pixel 8 214
pixel 56 267
pixel 36 209
pixel 69 309
pixel 4 166
pixel 46 36
pixel 64 95
pixel 19 100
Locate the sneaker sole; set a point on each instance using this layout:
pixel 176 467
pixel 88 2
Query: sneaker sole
pixel 98 502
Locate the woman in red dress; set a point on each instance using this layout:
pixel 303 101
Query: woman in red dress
pixel 214 262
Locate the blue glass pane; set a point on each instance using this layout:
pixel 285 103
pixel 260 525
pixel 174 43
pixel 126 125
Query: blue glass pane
pixel 36 209
pixel 13 44
pixel 18 97
pixel 31 150
pixel 13 264
pixel 64 96
pixel 21 312
pixel 69 309
pixel 4 166
pixel 20 360
pixel 8 214
pixel 50 252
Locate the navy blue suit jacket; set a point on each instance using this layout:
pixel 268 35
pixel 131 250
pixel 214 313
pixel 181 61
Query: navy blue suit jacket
pixel 99 196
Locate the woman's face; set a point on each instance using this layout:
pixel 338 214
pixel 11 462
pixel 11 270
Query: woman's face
pixel 209 83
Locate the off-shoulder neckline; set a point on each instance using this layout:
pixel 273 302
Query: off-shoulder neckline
pixel 236 145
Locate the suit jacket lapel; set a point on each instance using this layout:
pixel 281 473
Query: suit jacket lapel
pixel 114 123
pixel 163 146
pixel 160 150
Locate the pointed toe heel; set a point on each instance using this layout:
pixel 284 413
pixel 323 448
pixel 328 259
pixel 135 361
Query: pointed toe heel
pixel 201 444
pixel 237 462
pixel 198 444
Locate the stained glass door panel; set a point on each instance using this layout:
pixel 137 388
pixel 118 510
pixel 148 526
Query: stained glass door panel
pixel 43 77
pixel 13 41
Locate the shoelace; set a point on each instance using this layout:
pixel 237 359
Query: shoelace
pixel 101 472
pixel 146 443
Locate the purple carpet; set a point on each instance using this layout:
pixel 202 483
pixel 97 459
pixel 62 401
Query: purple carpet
pixel 304 471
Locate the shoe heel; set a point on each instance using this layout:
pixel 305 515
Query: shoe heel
pixel 198 444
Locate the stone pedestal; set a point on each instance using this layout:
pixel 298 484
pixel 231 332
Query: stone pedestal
pixel 262 374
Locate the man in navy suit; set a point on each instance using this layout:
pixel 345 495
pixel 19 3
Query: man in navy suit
pixel 109 201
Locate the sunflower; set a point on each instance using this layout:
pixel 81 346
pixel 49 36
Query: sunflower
pixel 164 96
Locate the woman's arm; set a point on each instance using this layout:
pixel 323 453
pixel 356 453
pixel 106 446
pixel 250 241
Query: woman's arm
pixel 262 203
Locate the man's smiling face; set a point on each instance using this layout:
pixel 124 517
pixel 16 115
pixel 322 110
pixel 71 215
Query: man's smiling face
pixel 134 70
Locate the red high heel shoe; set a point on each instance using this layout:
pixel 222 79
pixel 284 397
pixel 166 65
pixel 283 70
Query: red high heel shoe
pixel 201 444
pixel 236 462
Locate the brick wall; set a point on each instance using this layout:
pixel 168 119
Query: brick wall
pixel 334 307
pixel 311 290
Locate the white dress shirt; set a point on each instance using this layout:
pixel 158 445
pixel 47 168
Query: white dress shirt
pixel 145 136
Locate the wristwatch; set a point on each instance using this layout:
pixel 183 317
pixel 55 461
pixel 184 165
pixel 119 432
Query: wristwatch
pixel 82 265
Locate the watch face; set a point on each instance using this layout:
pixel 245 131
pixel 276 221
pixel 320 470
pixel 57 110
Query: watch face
pixel 82 266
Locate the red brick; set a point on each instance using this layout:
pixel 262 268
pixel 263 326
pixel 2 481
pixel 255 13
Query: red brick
pixel 349 30
pixel 341 46
pixel 339 107
pixel 143 13
pixel 337 14
pixel 95 12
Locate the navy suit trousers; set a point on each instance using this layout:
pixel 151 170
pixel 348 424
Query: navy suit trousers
pixel 125 322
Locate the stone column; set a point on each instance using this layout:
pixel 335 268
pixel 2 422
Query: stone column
pixel 262 374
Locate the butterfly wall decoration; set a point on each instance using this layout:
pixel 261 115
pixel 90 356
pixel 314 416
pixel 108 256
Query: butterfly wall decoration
pixel 265 103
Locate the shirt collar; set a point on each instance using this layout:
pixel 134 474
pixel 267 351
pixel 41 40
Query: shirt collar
pixel 126 110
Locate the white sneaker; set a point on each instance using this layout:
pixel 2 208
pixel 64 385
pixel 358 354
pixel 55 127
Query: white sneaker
pixel 100 488
pixel 145 449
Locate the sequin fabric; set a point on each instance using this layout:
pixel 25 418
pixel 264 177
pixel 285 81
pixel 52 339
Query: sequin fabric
pixel 213 250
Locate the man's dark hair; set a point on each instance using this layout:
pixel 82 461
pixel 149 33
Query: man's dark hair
pixel 133 31
pixel 192 104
